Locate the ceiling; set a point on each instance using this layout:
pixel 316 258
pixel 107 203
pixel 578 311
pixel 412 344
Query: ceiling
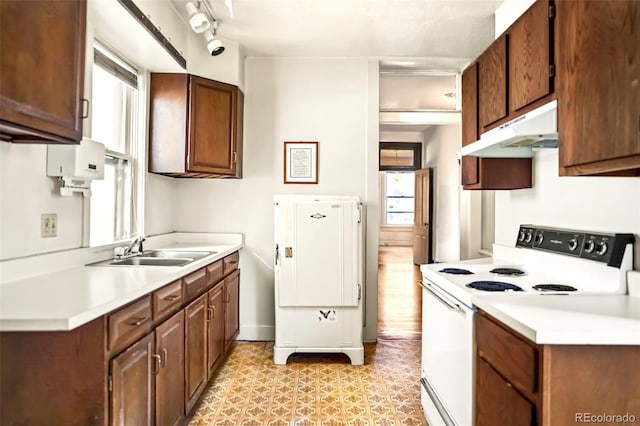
pixel 404 34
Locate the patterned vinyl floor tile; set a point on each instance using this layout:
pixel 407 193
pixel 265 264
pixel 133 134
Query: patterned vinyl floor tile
pixel 316 389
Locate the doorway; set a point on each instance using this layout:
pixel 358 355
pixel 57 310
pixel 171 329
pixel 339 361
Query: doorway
pixel 399 296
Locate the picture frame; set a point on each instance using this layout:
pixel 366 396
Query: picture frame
pixel 301 162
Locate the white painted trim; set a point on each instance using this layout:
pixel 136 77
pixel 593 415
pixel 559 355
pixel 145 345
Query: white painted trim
pixel 259 333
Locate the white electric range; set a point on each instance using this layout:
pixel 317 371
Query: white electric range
pixel 544 261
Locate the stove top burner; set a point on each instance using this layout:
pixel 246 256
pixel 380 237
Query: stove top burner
pixel 507 271
pixel 456 271
pixel 493 286
pixel 554 287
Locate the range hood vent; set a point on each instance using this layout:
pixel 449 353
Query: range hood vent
pixel 517 138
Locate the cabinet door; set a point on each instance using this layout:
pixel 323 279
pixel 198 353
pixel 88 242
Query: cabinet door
pixel 132 385
pixel 492 82
pixel 470 104
pixel 529 57
pixel 170 377
pixel 212 126
pixel 195 350
pixel 497 402
pixel 231 307
pixel 42 68
pixel 598 73
pixel 215 324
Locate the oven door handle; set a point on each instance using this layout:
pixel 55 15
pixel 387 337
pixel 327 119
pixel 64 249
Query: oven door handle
pixel 452 306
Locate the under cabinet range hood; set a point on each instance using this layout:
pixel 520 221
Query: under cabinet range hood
pixel 537 128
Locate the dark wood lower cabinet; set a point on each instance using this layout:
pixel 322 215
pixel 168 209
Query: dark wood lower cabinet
pixel 156 377
pixel 132 383
pixel 520 383
pixel 59 375
pixel 170 379
pixel 231 309
pixel 497 401
pixel 195 350
pixel 215 347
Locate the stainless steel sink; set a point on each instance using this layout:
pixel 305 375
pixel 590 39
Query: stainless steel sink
pixel 152 261
pixel 172 254
pixel 157 258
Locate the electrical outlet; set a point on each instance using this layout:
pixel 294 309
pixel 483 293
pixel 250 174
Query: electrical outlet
pixel 48 225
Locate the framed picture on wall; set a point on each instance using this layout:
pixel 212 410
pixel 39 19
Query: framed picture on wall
pixel 301 162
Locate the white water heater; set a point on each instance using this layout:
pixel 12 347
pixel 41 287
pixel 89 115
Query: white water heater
pixel 76 165
pixel 318 276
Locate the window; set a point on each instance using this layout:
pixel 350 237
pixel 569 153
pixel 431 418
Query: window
pixel 114 115
pixel 399 198
pixel 400 156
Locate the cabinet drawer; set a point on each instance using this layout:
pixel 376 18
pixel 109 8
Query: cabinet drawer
pixel 195 283
pixel 511 356
pixel 167 300
pixel 129 323
pixel 231 262
pixel 215 272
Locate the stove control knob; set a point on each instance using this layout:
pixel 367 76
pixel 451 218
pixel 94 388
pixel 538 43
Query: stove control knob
pixel 601 249
pixel 539 238
pixel 529 237
pixel 521 236
pixel 589 246
pixel 573 244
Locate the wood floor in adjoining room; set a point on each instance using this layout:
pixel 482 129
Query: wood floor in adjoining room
pixel 316 389
pixel 399 295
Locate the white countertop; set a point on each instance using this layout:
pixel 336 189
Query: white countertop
pixel 567 320
pixel 63 299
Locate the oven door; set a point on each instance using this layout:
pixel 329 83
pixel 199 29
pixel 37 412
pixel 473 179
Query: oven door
pixel 447 357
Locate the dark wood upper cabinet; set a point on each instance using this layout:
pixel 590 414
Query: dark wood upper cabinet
pixel 530 56
pixel 195 127
pixel 470 133
pixel 492 83
pixel 486 173
pixel 42 70
pixel 470 104
pixel 599 77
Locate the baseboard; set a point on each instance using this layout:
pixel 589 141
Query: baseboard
pixel 259 333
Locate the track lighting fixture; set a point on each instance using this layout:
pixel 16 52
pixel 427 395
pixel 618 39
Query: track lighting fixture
pixel 197 19
pixel 214 45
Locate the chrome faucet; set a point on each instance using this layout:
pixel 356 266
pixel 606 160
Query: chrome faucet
pixel 135 244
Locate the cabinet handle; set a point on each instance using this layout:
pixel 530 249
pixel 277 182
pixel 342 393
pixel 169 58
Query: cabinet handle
pixel 172 297
pixel 213 312
pixel 227 297
pixel 85 102
pixel 235 157
pixel 163 360
pixel 157 363
pixel 209 314
pixel 137 321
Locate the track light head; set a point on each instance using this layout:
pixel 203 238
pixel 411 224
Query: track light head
pixel 214 45
pixel 197 19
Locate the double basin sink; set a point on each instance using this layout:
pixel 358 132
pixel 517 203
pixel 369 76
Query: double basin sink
pixel 157 258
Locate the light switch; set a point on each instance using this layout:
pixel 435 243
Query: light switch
pixel 48 225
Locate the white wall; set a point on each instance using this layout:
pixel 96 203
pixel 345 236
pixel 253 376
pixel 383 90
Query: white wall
pixel 508 12
pixel 287 99
pixel 25 193
pixel 606 204
pixel 443 142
